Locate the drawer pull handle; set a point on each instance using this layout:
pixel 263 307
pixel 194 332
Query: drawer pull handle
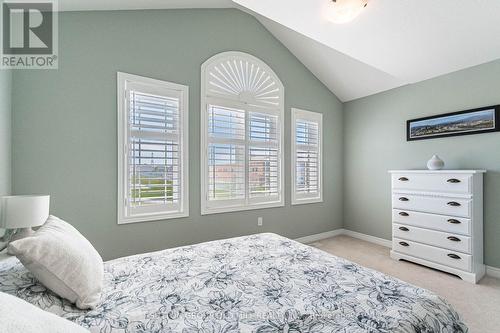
pixel 453 180
pixel 455 239
pixel 404 199
pixel 404 229
pixel 454 256
pixel 404 214
pixel 453 203
pixel 453 221
pixel 403 179
pixel 404 244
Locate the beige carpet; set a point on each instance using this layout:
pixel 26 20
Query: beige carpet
pixel 479 305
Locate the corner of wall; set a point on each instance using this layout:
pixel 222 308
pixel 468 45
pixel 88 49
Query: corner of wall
pixel 342 154
pixel 344 167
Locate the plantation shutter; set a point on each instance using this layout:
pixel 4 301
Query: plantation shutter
pixel 152 149
pixel 154 156
pixel 226 153
pixel 263 155
pixel 243 156
pixel 307 155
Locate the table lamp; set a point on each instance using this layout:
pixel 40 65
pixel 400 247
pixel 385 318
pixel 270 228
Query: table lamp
pixel 19 213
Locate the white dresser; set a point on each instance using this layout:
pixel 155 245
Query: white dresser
pixel 437 220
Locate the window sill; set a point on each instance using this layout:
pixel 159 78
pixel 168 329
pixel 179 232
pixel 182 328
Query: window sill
pixel 217 210
pixel 152 217
pixel 297 202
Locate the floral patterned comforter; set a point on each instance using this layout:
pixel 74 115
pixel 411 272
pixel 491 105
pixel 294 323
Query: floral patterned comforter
pixel 260 283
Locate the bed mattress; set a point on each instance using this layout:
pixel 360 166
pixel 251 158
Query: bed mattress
pixel 260 283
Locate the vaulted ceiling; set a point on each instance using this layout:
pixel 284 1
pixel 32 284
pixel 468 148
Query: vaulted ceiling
pixel 391 44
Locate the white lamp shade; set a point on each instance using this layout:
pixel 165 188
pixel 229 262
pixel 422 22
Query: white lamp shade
pixel 23 211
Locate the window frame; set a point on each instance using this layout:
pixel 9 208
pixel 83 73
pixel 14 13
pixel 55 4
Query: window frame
pixel 313 117
pixel 182 92
pixel 235 205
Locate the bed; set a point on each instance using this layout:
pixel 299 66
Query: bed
pixel 260 283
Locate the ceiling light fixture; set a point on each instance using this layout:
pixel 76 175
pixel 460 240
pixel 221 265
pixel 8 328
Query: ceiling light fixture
pixel 343 11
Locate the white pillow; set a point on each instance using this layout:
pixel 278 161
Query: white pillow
pixel 18 316
pixel 64 261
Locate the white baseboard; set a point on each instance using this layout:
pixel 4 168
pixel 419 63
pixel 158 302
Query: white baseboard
pixel 368 238
pixel 493 272
pixel 490 270
pixel 338 232
pixel 320 236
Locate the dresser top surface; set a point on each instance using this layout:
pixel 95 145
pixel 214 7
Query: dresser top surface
pixel 437 171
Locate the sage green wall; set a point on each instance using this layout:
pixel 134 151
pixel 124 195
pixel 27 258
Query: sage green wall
pixel 375 141
pixel 64 123
pixel 5 131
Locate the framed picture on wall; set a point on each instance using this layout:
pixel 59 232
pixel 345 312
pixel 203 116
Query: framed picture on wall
pixel 475 121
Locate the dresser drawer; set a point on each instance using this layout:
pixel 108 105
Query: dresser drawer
pixel 454 225
pixel 436 238
pixel 441 256
pixel 437 205
pixel 445 183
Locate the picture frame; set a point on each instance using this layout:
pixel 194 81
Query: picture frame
pixel 474 121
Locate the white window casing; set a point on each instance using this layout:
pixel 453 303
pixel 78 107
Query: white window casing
pixel 242 134
pixel 307 157
pixel 152 149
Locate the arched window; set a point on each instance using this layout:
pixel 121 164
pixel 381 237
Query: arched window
pixel 242 128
